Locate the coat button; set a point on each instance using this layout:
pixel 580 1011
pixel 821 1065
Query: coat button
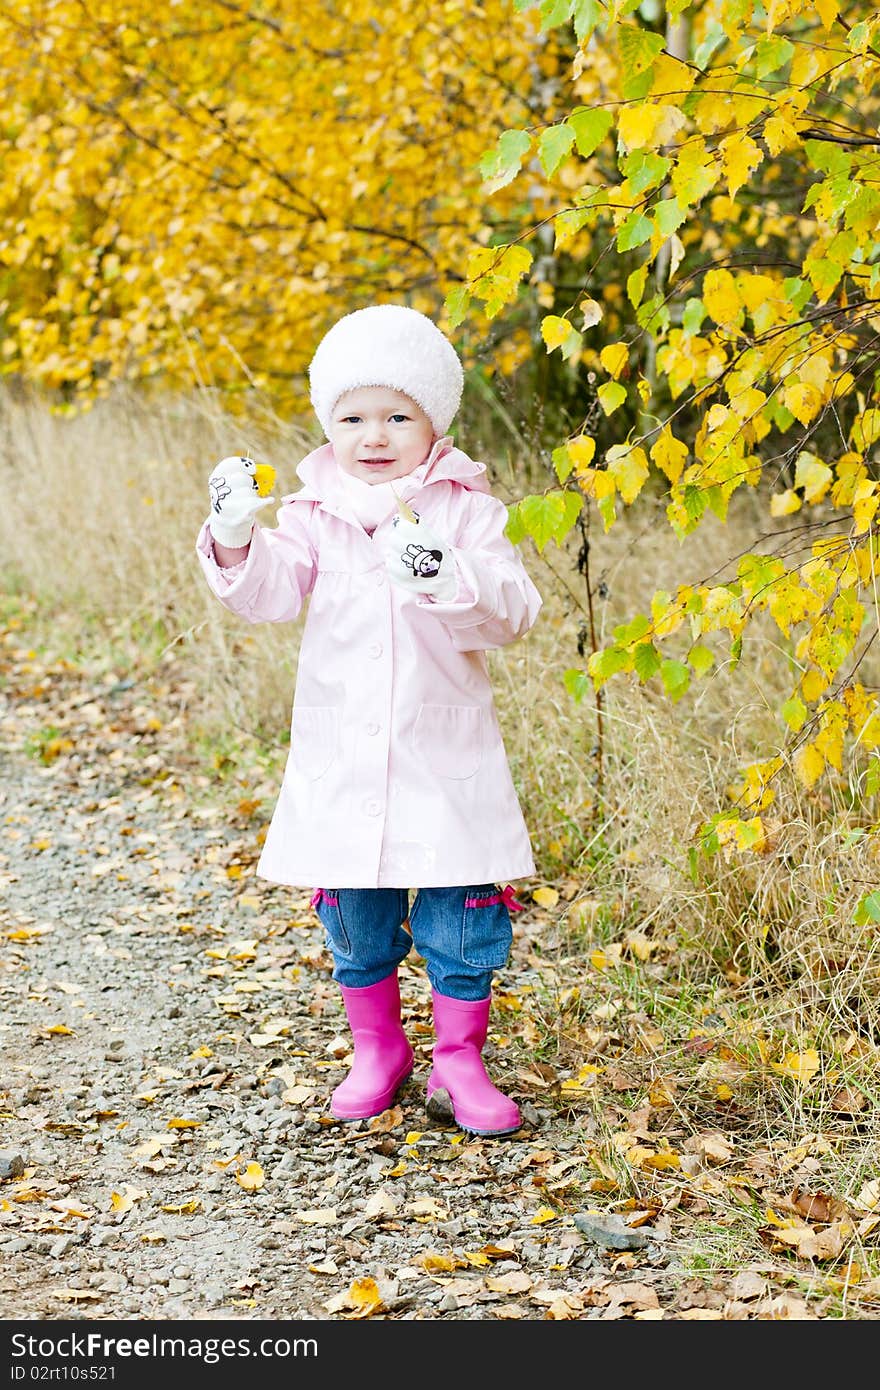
pixel 372 727
pixel 373 808
pixel 374 650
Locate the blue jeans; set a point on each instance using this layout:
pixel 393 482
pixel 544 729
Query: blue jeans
pixel 464 935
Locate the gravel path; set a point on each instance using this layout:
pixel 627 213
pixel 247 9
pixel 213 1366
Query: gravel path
pixel 170 1036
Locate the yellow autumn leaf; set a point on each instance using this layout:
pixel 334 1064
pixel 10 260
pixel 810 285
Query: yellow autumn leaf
pixel 865 504
pixel 124 1202
pixel 581 451
pixel 545 897
pixel 784 503
pixel 720 296
pixel 809 764
pixel 800 1066
pixel 59 1028
pixel 177 1122
pixel 638 125
pixel 364 1293
pixel 740 156
pixel 252 1178
pixel 614 358
pixel 662 1161
pixel 628 466
pixel 803 400
pixel 439 1264
pixel 669 454
pixel 554 331
pixel 543 1215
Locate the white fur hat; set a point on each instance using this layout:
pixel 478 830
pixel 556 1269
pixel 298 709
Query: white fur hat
pixel 387 345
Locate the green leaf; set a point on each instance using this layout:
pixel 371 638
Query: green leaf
pixel 562 463
pixel 611 395
pixel 872 777
pixel 736 648
pixel 794 712
pixel 868 909
pixel 577 683
pixel 554 13
pixel 646 660
pixel 551 516
pixel 771 54
pixel 693 315
pixel 605 664
pixel 555 143
pixel 669 215
pixel 713 37
pixel 457 304
pixel 676 678
pixel 635 231
pixel 590 125
pixel 653 315
pixel 514 529
pixel 638 49
pixel 635 284
pixel 702 659
pixel 587 14
pixel 644 170
pixel 625 634
pixel 501 165
pixel 695 501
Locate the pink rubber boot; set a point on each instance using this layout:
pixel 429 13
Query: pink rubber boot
pixel 383 1058
pixel 461 1026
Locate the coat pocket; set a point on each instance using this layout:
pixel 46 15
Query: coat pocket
pixel 314 739
pixel 450 739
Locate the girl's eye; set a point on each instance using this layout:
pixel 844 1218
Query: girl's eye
pixel 350 419
pixel 400 419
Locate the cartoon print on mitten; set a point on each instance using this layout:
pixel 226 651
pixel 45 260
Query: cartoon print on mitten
pixel 220 488
pixel 425 564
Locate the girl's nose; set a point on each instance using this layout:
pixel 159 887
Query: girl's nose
pixel 376 432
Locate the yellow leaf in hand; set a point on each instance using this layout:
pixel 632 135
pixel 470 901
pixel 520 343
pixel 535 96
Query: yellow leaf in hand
pixel 264 476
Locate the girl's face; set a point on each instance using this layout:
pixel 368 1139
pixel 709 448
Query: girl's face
pixel 379 434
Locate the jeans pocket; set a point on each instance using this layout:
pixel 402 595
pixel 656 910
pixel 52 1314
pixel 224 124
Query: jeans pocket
pixel 486 931
pixel 314 737
pixel 326 904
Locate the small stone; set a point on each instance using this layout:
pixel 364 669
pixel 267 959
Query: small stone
pixel 610 1230
pixel 61 1246
pixel 11 1164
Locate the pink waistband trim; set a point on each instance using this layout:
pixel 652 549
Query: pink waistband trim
pixel 320 896
pixel 506 896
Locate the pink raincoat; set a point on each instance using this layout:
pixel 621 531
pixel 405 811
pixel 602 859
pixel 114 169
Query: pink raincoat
pixel 397 775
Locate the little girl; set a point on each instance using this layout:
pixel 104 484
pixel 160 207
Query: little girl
pixel 397 776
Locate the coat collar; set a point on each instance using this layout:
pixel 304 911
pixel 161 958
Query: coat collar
pixel 318 473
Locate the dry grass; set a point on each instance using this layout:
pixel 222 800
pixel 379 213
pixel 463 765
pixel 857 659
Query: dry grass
pixel 101 512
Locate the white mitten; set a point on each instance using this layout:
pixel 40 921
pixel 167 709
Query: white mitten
pixel 418 560
pixel 235 498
